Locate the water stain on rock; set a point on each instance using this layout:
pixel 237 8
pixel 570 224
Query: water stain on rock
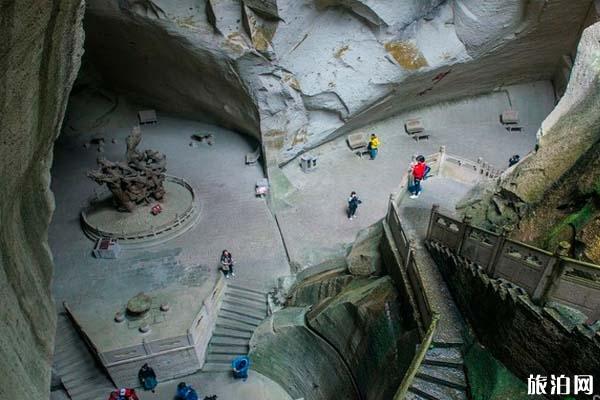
pixel 406 54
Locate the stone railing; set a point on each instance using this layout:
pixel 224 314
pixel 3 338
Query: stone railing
pixel 453 166
pixel 543 275
pixel 95 232
pixel 408 271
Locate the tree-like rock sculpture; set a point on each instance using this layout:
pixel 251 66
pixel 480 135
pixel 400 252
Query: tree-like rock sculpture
pixel 135 181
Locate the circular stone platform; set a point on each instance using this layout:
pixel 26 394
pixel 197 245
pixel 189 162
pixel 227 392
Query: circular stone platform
pixel 140 228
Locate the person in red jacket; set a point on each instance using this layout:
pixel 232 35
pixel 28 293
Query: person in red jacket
pixel 419 172
pixel 123 394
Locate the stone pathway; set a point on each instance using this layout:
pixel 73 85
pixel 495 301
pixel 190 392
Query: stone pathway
pixel 442 375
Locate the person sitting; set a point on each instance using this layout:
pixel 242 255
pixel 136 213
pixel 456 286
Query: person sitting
pixel 185 392
pixel 123 394
pixel 240 366
pixel 514 160
pixel 227 264
pixel 147 378
pixel 373 146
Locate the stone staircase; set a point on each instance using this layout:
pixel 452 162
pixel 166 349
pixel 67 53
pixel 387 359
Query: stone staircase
pixel 243 309
pixel 80 374
pixel 441 375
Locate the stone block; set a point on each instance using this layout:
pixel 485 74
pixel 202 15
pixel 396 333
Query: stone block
pixel 414 125
pixel 357 141
pixel 147 117
pixel 509 117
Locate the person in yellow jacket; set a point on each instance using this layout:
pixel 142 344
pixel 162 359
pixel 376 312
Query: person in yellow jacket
pixel 373 146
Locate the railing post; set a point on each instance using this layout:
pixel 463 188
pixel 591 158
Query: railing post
pixel 551 275
pixel 409 253
pixel 441 159
pixel 434 209
pixel 497 252
pixel 466 224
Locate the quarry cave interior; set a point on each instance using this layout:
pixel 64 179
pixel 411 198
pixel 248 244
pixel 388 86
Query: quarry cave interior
pixel 141 138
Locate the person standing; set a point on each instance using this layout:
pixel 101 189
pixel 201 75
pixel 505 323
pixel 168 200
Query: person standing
pixel 227 264
pixel 373 146
pixel 353 202
pixel 419 172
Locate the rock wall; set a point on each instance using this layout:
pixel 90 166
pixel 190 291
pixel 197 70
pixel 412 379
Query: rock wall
pixel 365 325
pixel 555 183
pixel 296 73
pixel 524 337
pixel 287 351
pixel 40 46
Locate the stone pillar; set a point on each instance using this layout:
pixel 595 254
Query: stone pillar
pixel 434 209
pixel 466 224
pixel 551 275
pixel 441 159
pixel 497 253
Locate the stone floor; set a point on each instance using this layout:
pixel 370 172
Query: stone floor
pixel 231 217
pixel 314 228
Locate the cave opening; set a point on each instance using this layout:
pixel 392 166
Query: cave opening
pixel 326 304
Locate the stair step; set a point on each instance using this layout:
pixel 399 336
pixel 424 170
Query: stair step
pixel 448 376
pixel 244 312
pixel 231 316
pixel 431 391
pixel 216 367
pixel 446 357
pixel 245 289
pixel 228 341
pixel 414 396
pixel 262 300
pixel 221 358
pixel 221 349
pixel 233 333
pixel 246 304
pixel 241 292
pixel 232 324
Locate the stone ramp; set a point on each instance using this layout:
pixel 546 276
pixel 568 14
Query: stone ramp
pixel 82 377
pixel 242 310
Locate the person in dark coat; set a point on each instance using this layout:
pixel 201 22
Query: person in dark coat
pixel 147 378
pixel 227 264
pixel 185 392
pixel 353 202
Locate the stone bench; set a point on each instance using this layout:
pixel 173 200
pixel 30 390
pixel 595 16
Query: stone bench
pixel 147 117
pixel 414 125
pixel 357 141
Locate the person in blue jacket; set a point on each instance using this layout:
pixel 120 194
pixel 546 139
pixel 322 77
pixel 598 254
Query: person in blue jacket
pixel 185 392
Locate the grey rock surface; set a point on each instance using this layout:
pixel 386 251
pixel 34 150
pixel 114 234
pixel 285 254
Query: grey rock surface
pixel 41 45
pixel 296 73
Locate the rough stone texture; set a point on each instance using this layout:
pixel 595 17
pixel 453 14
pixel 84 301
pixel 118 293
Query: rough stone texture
pixel 364 258
pixel 562 169
pixel 284 349
pixel 298 73
pixel 366 327
pixel 316 288
pixel 40 49
pixel 569 131
pixel 525 338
